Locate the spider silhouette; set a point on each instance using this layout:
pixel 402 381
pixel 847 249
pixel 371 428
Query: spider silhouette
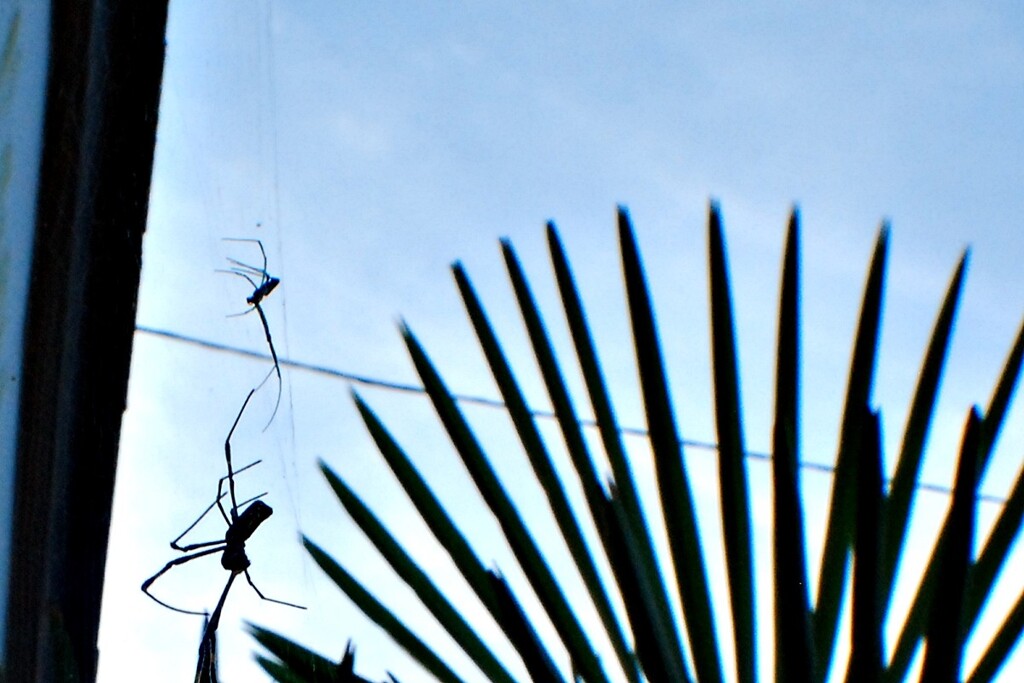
pixel 240 527
pixel 263 283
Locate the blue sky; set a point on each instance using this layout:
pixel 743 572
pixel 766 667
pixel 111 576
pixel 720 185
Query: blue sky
pixel 369 148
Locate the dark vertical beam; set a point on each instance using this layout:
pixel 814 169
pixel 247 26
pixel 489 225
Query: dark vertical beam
pixel 103 94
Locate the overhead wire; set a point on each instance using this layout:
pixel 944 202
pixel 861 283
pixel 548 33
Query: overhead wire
pixel 375 382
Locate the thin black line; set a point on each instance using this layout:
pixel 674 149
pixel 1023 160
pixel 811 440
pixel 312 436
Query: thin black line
pixel 495 403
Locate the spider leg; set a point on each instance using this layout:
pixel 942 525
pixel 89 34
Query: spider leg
pixel 260 291
pixel 273 355
pixel 268 283
pixel 242 273
pixel 187 548
pixel 220 496
pixel 174 563
pixel 264 597
pixel 215 503
pixel 227 456
pixel 242 504
pixel 246 270
pixel 240 314
pixel 250 239
pixel 270 373
pixel 264 253
pixel 242 265
pixel 195 546
pixel 211 626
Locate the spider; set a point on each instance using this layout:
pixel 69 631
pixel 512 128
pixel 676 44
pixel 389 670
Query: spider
pixel 267 284
pixel 241 527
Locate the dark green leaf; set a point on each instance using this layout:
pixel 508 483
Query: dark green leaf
pixel 380 614
pixel 278 671
pixel 866 656
pixel 538 663
pixel 1001 645
pixel 653 641
pixel 568 421
pixel 669 466
pixel 609 430
pixel 996 547
pixel 944 648
pixel 523 546
pixel 540 461
pixel 433 514
pixel 901 491
pixel 732 470
pixel 832 576
pixel 794 656
pixel 300 663
pixel 428 593
pixel 982 574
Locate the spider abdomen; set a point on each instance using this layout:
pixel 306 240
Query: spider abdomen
pixel 247 523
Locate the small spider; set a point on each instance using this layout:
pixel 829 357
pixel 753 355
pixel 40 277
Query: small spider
pixel 260 290
pixel 241 527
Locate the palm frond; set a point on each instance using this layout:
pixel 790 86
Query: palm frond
pixel 866 523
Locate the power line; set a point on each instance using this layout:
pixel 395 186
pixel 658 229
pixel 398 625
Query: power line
pixel 495 403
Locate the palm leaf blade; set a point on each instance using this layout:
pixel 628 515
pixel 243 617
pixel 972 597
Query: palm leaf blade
pixel 417 579
pixel 610 437
pixel 901 490
pixel 996 547
pixel 565 413
pixel 1001 645
pixel 300 663
pixel 793 650
pixel 380 614
pixel 653 639
pixel 278 671
pixel 538 663
pixel 866 657
pixel 673 486
pixel 832 575
pixel 983 572
pixel 540 460
pixel 523 546
pixel 944 649
pixel 732 471
pixel 434 515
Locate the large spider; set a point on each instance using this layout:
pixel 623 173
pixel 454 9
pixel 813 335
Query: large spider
pixel 241 527
pixel 261 289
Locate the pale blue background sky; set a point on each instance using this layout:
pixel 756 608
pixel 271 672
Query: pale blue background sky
pixel 375 145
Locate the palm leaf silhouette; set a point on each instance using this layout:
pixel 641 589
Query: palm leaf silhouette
pixel 866 525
